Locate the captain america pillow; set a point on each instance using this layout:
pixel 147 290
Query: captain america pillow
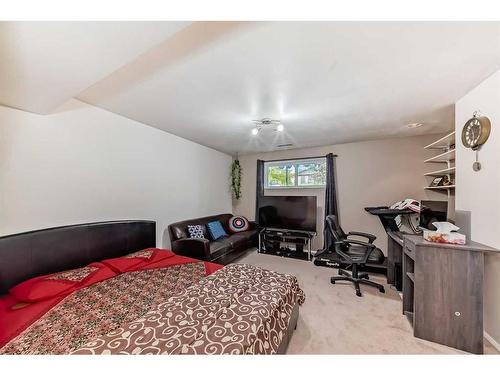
pixel 238 224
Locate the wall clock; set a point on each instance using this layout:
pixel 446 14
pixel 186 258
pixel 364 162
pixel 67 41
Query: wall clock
pixel 475 133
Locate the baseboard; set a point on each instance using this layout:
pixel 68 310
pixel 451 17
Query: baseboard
pixel 491 340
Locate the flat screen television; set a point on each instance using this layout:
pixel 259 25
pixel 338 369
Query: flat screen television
pixel 432 211
pixel 288 212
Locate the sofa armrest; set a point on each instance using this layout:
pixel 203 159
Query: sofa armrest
pixel 198 248
pixel 253 225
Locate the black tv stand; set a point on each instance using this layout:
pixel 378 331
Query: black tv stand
pixel 286 243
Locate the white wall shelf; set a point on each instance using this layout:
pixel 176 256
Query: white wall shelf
pixel 449 187
pixel 442 172
pixel 443 143
pixel 444 147
pixel 445 157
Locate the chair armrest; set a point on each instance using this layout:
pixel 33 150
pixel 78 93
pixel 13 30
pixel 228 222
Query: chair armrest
pixel 369 248
pixel 198 248
pixel 370 237
pixel 361 243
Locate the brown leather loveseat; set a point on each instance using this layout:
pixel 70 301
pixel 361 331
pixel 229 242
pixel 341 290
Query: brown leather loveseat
pixel 222 251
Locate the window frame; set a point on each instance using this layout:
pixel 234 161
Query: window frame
pixel 295 163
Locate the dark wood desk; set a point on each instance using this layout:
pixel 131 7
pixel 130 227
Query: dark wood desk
pixel 442 289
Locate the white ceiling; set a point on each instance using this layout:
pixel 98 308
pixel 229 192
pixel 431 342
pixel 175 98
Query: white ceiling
pixel 43 64
pixel 328 82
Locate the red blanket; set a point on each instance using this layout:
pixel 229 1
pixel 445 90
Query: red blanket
pixel 29 301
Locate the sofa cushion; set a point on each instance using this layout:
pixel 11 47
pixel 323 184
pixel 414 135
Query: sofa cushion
pixel 216 230
pixel 238 241
pixel 247 235
pixel 195 231
pixel 238 224
pixel 220 247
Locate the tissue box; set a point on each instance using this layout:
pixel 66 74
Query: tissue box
pixel 454 238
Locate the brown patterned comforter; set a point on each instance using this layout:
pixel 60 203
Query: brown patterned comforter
pixel 173 310
pixel 103 307
pixel 240 309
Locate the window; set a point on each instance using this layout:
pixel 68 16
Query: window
pixel 295 173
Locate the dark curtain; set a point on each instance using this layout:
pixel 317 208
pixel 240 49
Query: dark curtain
pixel 260 187
pixel 330 197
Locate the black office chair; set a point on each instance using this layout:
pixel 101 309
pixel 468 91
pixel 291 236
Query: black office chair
pixel 350 253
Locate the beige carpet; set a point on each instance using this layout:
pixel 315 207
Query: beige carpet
pixel 333 320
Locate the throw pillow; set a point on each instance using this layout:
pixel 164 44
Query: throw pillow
pixel 76 275
pixel 145 254
pixel 195 231
pixel 44 287
pixel 238 224
pixel 216 230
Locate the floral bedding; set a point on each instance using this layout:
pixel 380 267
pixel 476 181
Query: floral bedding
pixel 240 309
pixel 175 309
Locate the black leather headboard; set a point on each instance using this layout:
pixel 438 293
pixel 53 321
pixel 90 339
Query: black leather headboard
pixel 40 252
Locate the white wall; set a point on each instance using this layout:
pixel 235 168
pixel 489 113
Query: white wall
pixel 84 164
pixel 373 173
pixel 479 192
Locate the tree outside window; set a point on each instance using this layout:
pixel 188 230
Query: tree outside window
pixel 295 174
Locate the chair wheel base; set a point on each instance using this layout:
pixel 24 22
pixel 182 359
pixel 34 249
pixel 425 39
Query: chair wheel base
pixel 362 279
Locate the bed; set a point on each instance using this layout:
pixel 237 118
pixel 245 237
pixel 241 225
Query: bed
pixel 103 288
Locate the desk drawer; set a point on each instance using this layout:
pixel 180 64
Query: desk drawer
pixel 409 249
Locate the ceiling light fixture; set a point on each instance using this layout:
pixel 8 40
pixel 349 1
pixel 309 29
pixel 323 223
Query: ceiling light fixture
pixel 414 125
pixel 267 123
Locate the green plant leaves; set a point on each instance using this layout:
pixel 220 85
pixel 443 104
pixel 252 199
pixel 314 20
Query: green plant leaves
pixel 236 179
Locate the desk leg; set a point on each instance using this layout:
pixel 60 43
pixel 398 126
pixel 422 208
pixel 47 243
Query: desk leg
pixel 390 261
pixel 260 242
pixel 394 255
